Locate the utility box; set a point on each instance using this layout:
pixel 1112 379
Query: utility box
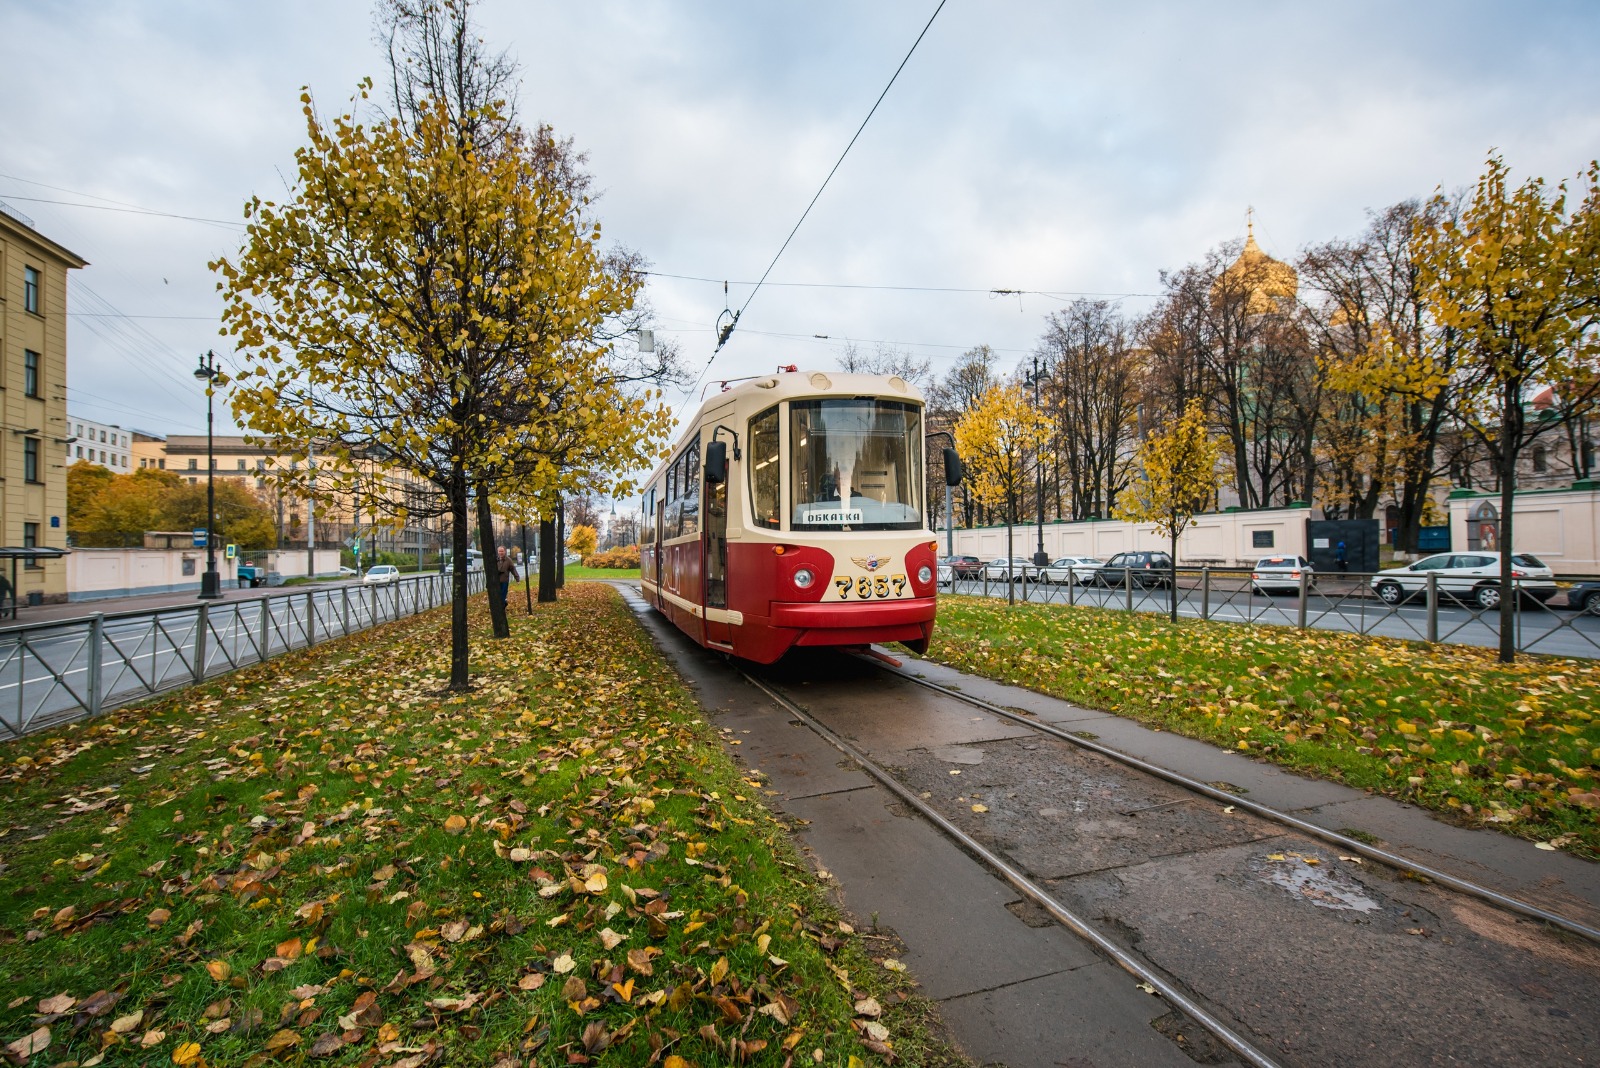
pixel 1361 539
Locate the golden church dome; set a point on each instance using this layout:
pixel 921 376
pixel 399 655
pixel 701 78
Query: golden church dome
pixel 1268 281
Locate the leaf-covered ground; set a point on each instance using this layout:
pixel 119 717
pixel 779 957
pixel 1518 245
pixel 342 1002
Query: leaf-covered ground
pixel 326 860
pixel 1445 726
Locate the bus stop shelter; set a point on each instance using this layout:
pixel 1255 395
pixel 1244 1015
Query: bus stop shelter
pixel 8 586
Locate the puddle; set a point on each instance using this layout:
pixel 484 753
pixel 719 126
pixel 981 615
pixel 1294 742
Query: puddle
pixel 1315 882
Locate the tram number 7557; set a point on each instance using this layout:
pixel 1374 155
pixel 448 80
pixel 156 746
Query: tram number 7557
pixel 866 587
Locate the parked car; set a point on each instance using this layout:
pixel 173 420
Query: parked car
pixel 963 566
pixel 947 574
pixel 348 572
pixel 1470 577
pixel 1585 597
pixel 1147 568
pixel 251 575
pixel 1001 570
pixel 1274 573
pixel 1078 569
pixel 382 575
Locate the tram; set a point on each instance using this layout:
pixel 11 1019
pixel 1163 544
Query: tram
pixel 791 513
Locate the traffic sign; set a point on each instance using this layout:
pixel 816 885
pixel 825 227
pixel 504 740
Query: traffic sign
pixel 232 550
pixel 199 537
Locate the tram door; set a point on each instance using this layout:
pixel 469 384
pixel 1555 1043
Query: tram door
pixel 715 569
pixel 656 563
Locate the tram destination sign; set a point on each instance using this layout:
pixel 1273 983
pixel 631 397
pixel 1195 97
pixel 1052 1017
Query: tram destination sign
pixel 814 514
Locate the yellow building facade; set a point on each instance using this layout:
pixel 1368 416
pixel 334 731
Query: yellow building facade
pixel 33 401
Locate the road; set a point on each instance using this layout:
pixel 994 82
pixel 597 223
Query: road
pixel 1338 605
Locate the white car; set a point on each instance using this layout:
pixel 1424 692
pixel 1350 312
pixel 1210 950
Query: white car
pixel 1078 569
pixel 382 575
pixel 1275 573
pixel 1000 570
pixel 1470 576
pixel 947 574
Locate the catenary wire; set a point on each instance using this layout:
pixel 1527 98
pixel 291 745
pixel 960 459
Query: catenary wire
pixel 722 339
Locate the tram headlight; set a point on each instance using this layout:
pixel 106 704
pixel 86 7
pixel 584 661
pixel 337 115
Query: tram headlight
pixel 924 574
pixel 804 577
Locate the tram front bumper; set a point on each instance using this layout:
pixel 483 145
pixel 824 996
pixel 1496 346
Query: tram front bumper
pixel 857 622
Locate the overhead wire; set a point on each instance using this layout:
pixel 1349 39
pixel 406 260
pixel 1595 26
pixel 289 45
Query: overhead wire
pixel 993 291
pixel 727 332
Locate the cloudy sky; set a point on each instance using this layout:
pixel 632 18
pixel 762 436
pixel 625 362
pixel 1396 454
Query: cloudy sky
pixel 1060 148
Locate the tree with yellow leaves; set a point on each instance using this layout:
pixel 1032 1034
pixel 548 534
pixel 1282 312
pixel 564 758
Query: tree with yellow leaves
pixel 999 439
pixel 437 304
pixel 1177 480
pixel 1515 280
pixel 583 540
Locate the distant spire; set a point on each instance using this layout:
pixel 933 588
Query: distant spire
pixel 1249 222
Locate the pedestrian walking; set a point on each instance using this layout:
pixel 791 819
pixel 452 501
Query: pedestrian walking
pixel 1341 556
pixel 507 570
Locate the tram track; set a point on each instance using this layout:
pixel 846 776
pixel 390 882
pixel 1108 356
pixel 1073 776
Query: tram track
pixel 1227 1018
pixel 1079 926
pixel 1401 864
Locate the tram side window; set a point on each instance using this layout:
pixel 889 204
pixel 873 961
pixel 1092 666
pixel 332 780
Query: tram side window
pixel 690 522
pixel 669 514
pixel 764 469
pixel 647 535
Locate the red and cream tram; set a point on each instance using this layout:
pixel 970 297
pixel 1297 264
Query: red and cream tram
pixel 791 514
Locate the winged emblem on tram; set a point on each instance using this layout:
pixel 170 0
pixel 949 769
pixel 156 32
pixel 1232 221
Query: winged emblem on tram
pixel 870 563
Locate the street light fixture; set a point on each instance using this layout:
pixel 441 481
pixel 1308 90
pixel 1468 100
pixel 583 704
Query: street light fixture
pixel 210 582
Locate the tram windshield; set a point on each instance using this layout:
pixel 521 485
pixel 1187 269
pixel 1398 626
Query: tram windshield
pixel 857 464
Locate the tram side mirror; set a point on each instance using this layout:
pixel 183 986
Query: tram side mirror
pixel 954 472
pixel 716 462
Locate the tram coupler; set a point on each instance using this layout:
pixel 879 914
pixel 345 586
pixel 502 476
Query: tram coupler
pixel 873 654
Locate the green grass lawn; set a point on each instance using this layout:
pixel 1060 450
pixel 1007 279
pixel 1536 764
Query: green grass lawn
pixel 1445 726
pixel 327 858
pixel 578 571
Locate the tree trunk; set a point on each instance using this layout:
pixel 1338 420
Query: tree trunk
pixel 1172 589
pixel 547 561
pixel 561 543
pixel 491 565
pixel 460 679
pixel 1510 438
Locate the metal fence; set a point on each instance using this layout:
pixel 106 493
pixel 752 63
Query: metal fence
pixel 55 672
pixel 1433 612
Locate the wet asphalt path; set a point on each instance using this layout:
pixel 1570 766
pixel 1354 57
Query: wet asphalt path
pixel 1317 959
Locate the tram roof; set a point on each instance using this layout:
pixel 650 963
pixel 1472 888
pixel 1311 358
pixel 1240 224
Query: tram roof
pixel 792 385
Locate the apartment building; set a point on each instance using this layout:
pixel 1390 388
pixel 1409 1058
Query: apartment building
pixel 33 401
pixel 105 444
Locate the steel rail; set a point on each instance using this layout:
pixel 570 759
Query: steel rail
pixel 1382 856
pixel 1127 961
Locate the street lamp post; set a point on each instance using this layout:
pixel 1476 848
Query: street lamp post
pixel 211 581
pixel 1040 557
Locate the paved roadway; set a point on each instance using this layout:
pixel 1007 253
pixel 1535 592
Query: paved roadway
pixel 1340 605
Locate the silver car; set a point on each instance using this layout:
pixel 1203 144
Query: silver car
pixel 1078 569
pixel 1000 570
pixel 1471 576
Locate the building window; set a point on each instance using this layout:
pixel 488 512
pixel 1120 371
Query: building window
pixel 194 465
pixel 162 463
pixel 241 465
pixel 102 435
pixel 30 540
pixel 30 459
pixel 80 452
pixel 30 372
pixel 1540 463
pixel 30 289
pixel 194 481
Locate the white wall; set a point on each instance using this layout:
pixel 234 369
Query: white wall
pixel 1560 527
pixel 1223 539
pixel 96 573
